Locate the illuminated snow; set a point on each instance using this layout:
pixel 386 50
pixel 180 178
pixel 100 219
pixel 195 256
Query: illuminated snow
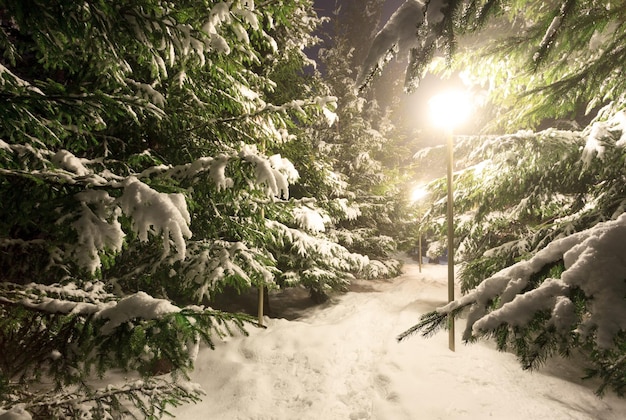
pixel 342 362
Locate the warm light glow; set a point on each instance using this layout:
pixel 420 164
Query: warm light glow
pixel 418 193
pixel 449 109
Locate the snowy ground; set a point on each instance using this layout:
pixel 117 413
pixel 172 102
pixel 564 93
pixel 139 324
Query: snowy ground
pixel 341 361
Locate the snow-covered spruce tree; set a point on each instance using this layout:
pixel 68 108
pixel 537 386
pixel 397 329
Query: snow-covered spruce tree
pixel 304 250
pixel 542 230
pixel 136 153
pixel 359 145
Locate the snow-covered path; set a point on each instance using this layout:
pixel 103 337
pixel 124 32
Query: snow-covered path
pixel 341 361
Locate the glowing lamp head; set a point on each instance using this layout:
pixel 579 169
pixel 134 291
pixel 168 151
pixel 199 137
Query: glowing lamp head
pixel 418 193
pixel 449 109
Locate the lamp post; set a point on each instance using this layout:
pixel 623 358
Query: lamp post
pixel 448 110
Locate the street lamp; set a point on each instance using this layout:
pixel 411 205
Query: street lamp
pixel 448 110
pixel 417 195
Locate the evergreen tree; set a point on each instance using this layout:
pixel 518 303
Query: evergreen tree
pixel 361 143
pixel 540 221
pixel 140 175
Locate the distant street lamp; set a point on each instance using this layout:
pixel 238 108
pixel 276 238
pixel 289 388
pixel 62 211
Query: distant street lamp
pixel 417 195
pixel 448 110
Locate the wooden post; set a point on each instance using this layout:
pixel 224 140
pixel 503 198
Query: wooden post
pixel 448 109
pixel 261 286
pixel 261 299
pixel 260 314
pixel 450 237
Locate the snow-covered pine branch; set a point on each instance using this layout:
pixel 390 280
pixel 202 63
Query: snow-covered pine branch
pixel 311 219
pixel 417 28
pixel 554 202
pixel 90 299
pixel 525 190
pixel 152 213
pixel 274 173
pixel 335 263
pixel 257 108
pixel 594 262
pixel 150 397
pixel 398 35
pixel 212 263
pixel 80 326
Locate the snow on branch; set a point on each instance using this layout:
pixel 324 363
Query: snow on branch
pixel 333 254
pixel 595 263
pixel 91 298
pixel 217 172
pixel 69 162
pixel 552 31
pixel 8 77
pixel 54 299
pixel 151 396
pixel 60 167
pixel 602 134
pixel 153 212
pixel 416 28
pixel 327 104
pixel 311 219
pixel 210 262
pixel 95 232
pixel 275 173
pixel 139 305
pixel 216 167
pixel 398 34
pixel 350 211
